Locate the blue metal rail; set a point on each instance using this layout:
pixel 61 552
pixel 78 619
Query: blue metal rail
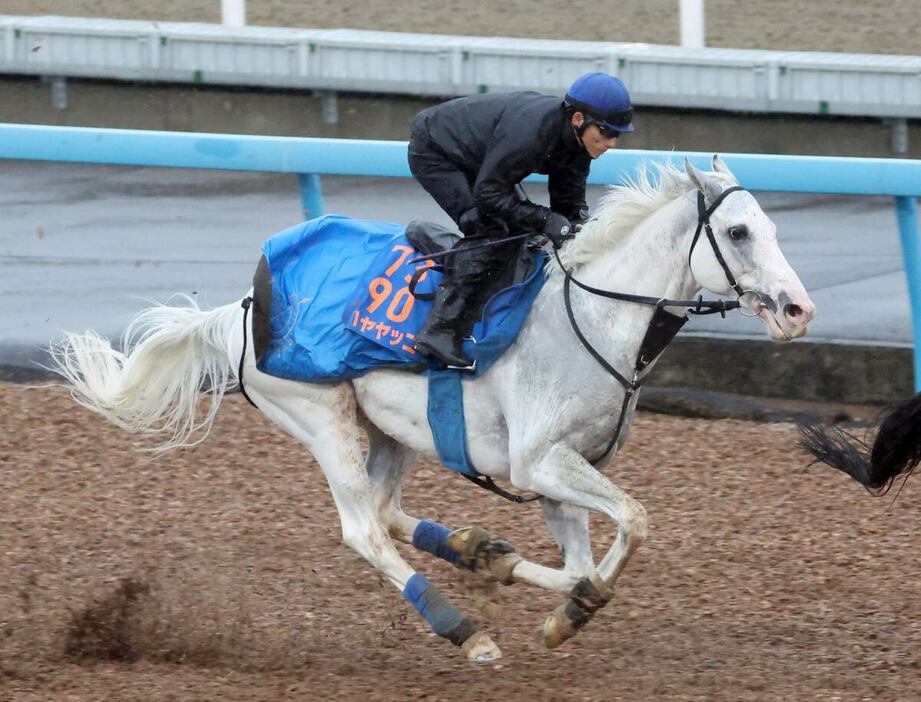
pixel 309 158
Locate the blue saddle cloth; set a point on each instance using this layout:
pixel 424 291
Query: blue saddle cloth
pixel 341 306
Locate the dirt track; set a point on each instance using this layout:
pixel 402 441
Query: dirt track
pixel 217 574
pixel 873 26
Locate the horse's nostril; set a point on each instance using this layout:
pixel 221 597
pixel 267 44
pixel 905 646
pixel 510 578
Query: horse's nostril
pixel 792 311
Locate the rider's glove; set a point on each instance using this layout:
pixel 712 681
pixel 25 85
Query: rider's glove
pixel 557 229
pixel 468 221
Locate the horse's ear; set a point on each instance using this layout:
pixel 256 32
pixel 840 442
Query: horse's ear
pixel 704 182
pixel 719 165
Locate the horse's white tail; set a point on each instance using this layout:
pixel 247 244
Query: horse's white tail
pixel 171 355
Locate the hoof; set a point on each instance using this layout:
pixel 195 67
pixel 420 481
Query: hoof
pixel 469 543
pixel 477 551
pixel 558 627
pixel 585 599
pixel 502 563
pixel 481 649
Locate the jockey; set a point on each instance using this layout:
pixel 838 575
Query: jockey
pixel 470 155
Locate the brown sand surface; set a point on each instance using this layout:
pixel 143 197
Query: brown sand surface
pixel 217 574
pixel 871 26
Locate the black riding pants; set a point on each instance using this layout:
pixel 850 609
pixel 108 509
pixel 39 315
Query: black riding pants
pixel 468 271
pixel 451 187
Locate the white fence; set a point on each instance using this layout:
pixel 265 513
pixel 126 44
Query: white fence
pixel 420 64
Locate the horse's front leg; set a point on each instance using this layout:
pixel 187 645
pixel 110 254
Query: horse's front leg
pixel 565 476
pixel 473 548
pixel 470 548
pixel 569 526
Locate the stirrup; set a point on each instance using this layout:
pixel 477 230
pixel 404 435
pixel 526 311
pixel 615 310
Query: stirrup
pixel 472 367
pixel 432 354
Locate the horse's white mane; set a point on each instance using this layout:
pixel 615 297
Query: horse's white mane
pixel 622 209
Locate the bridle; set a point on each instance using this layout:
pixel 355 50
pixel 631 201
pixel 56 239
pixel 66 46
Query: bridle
pixel 664 325
pixel 703 223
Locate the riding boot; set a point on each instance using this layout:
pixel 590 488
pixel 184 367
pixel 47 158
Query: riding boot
pixel 444 331
pixel 472 272
pixel 458 303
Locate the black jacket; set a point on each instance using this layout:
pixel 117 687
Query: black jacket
pixel 498 140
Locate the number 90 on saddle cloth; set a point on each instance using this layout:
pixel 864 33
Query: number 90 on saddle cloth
pixel 332 299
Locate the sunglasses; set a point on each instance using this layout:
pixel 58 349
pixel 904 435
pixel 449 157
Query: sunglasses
pixel 605 131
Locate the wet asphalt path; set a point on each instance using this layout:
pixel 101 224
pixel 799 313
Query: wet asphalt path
pixel 85 246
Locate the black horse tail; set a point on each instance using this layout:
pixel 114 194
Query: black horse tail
pixel 895 451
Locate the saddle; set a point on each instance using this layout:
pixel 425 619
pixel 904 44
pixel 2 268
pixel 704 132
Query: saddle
pixel 431 238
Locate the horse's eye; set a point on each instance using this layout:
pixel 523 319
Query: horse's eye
pixel 738 232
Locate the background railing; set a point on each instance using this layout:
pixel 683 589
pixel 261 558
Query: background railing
pixel 309 158
pixel 403 63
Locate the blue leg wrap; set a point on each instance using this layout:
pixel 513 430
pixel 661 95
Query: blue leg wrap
pixel 441 615
pixel 433 538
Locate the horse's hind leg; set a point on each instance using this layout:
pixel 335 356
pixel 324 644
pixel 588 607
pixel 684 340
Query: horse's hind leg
pixel 324 419
pixel 387 464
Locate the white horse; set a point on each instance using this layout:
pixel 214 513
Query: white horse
pixel 542 417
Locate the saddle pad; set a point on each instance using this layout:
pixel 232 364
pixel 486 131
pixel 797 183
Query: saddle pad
pixel 383 309
pixel 341 306
pixel 314 268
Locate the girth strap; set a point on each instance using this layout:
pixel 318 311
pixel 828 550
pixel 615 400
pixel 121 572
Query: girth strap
pixel 487 483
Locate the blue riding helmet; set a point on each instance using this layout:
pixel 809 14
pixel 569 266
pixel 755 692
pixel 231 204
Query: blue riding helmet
pixel 604 99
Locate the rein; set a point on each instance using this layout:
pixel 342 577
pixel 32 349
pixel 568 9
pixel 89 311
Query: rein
pixel 661 329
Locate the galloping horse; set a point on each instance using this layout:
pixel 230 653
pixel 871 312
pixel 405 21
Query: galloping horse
pixel 547 416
